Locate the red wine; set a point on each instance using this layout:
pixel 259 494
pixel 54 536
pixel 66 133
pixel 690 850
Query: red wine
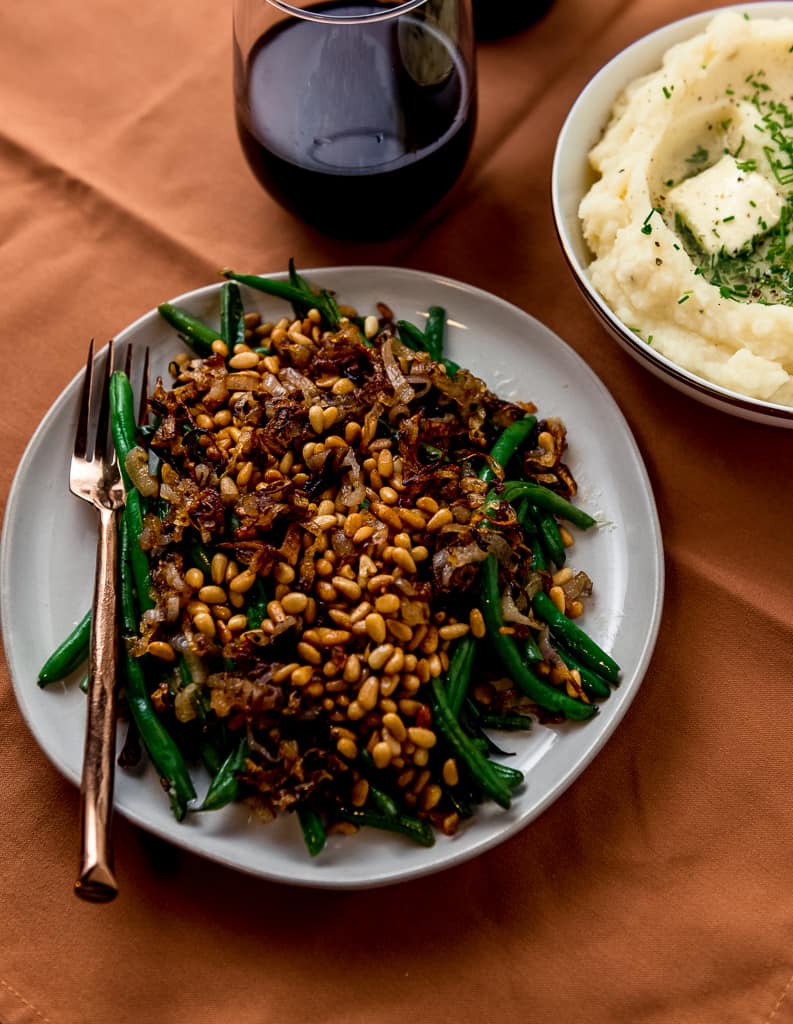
pixel 496 18
pixel 358 129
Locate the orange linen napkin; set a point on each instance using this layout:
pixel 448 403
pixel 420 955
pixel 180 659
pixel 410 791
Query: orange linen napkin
pixel 659 888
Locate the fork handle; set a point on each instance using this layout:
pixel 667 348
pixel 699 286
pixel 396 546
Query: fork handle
pixel 96 881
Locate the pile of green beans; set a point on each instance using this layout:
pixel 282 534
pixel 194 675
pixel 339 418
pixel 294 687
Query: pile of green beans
pixel 462 724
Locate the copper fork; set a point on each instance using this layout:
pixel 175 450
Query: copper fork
pixel 95 477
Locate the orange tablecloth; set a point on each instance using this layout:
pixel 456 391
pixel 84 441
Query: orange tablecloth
pixel 659 888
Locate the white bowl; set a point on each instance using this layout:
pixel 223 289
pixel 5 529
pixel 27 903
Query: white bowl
pixel 572 177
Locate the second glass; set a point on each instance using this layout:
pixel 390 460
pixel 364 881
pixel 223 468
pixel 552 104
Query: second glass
pixel 356 115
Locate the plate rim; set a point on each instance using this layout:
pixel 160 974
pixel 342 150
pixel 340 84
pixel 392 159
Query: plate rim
pixel 509 828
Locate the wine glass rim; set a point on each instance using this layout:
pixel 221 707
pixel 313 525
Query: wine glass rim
pixel 309 14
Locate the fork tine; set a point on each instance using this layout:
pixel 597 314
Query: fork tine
pixel 81 434
pixel 143 411
pixel 100 443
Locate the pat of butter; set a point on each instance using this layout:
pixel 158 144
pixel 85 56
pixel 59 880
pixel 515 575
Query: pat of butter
pixel 725 207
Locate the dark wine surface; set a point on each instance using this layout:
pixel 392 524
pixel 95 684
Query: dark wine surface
pixel 496 18
pixel 358 129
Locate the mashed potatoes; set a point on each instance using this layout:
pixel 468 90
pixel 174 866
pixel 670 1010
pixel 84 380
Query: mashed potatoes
pixel 691 218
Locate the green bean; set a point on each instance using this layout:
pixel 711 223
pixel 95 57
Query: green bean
pixel 324 302
pixel 68 655
pixel 545 499
pixel 314 834
pixel 124 429
pixel 199 556
pixel 507 443
pixel 593 684
pixel 258 599
pixel 507 723
pixel 435 331
pixel 459 675
pixel 232 316
pixel 123 422
pixel 512 776
pixel 224 787
pixel 382 802
pixel 550 537
pixel 542 693
pixel 196 333
pixel 575 639
pixel 465 749
pixel 164 753
pixel 411 336
pixel 414 828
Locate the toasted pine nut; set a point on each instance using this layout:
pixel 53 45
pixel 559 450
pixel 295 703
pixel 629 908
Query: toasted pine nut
pixel 218 567
pixel 302 676
pixel 379 656
pixel 575 609
pixel 369 693
pixel 439 519
pixel 347 748
pixel 413 519
pixel 359 793
pixel 404 560
pixel 326 591
pixel 212 594
pixel 395 663
pixel 395 726
pixel 381 754
pixel 388 495
pixel 379 581
pixel 362 534
pixel 194 578
pixel 316 418
pixel 329 417
pixel 425 738
pixel 243 581
pixel 354 711
pixel 294 602
pixel 567 538
pixel 205 624
pixel 283 573
pixel 371 326
pixel 244 361
pixel 219 347
pixel 162 650
pixel 545 440
pixel 477 623
pixel 427 504
pixel 349 588
pixel 453 631
pixel 333 637
pixel 451 775
pixel 556 594
pixel 343 386
pixel 308 653
pixel 238 623
pixel 352 668
pixel 387 604
pixel 402 632
pixel 562 576
pixel 375 627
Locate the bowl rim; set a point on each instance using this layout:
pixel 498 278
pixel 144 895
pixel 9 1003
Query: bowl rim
pixel 663 36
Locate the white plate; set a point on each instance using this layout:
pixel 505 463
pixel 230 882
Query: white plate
pixel 572 177
pixel 46 573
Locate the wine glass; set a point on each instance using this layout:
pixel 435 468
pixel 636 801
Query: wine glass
pixel 355 115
